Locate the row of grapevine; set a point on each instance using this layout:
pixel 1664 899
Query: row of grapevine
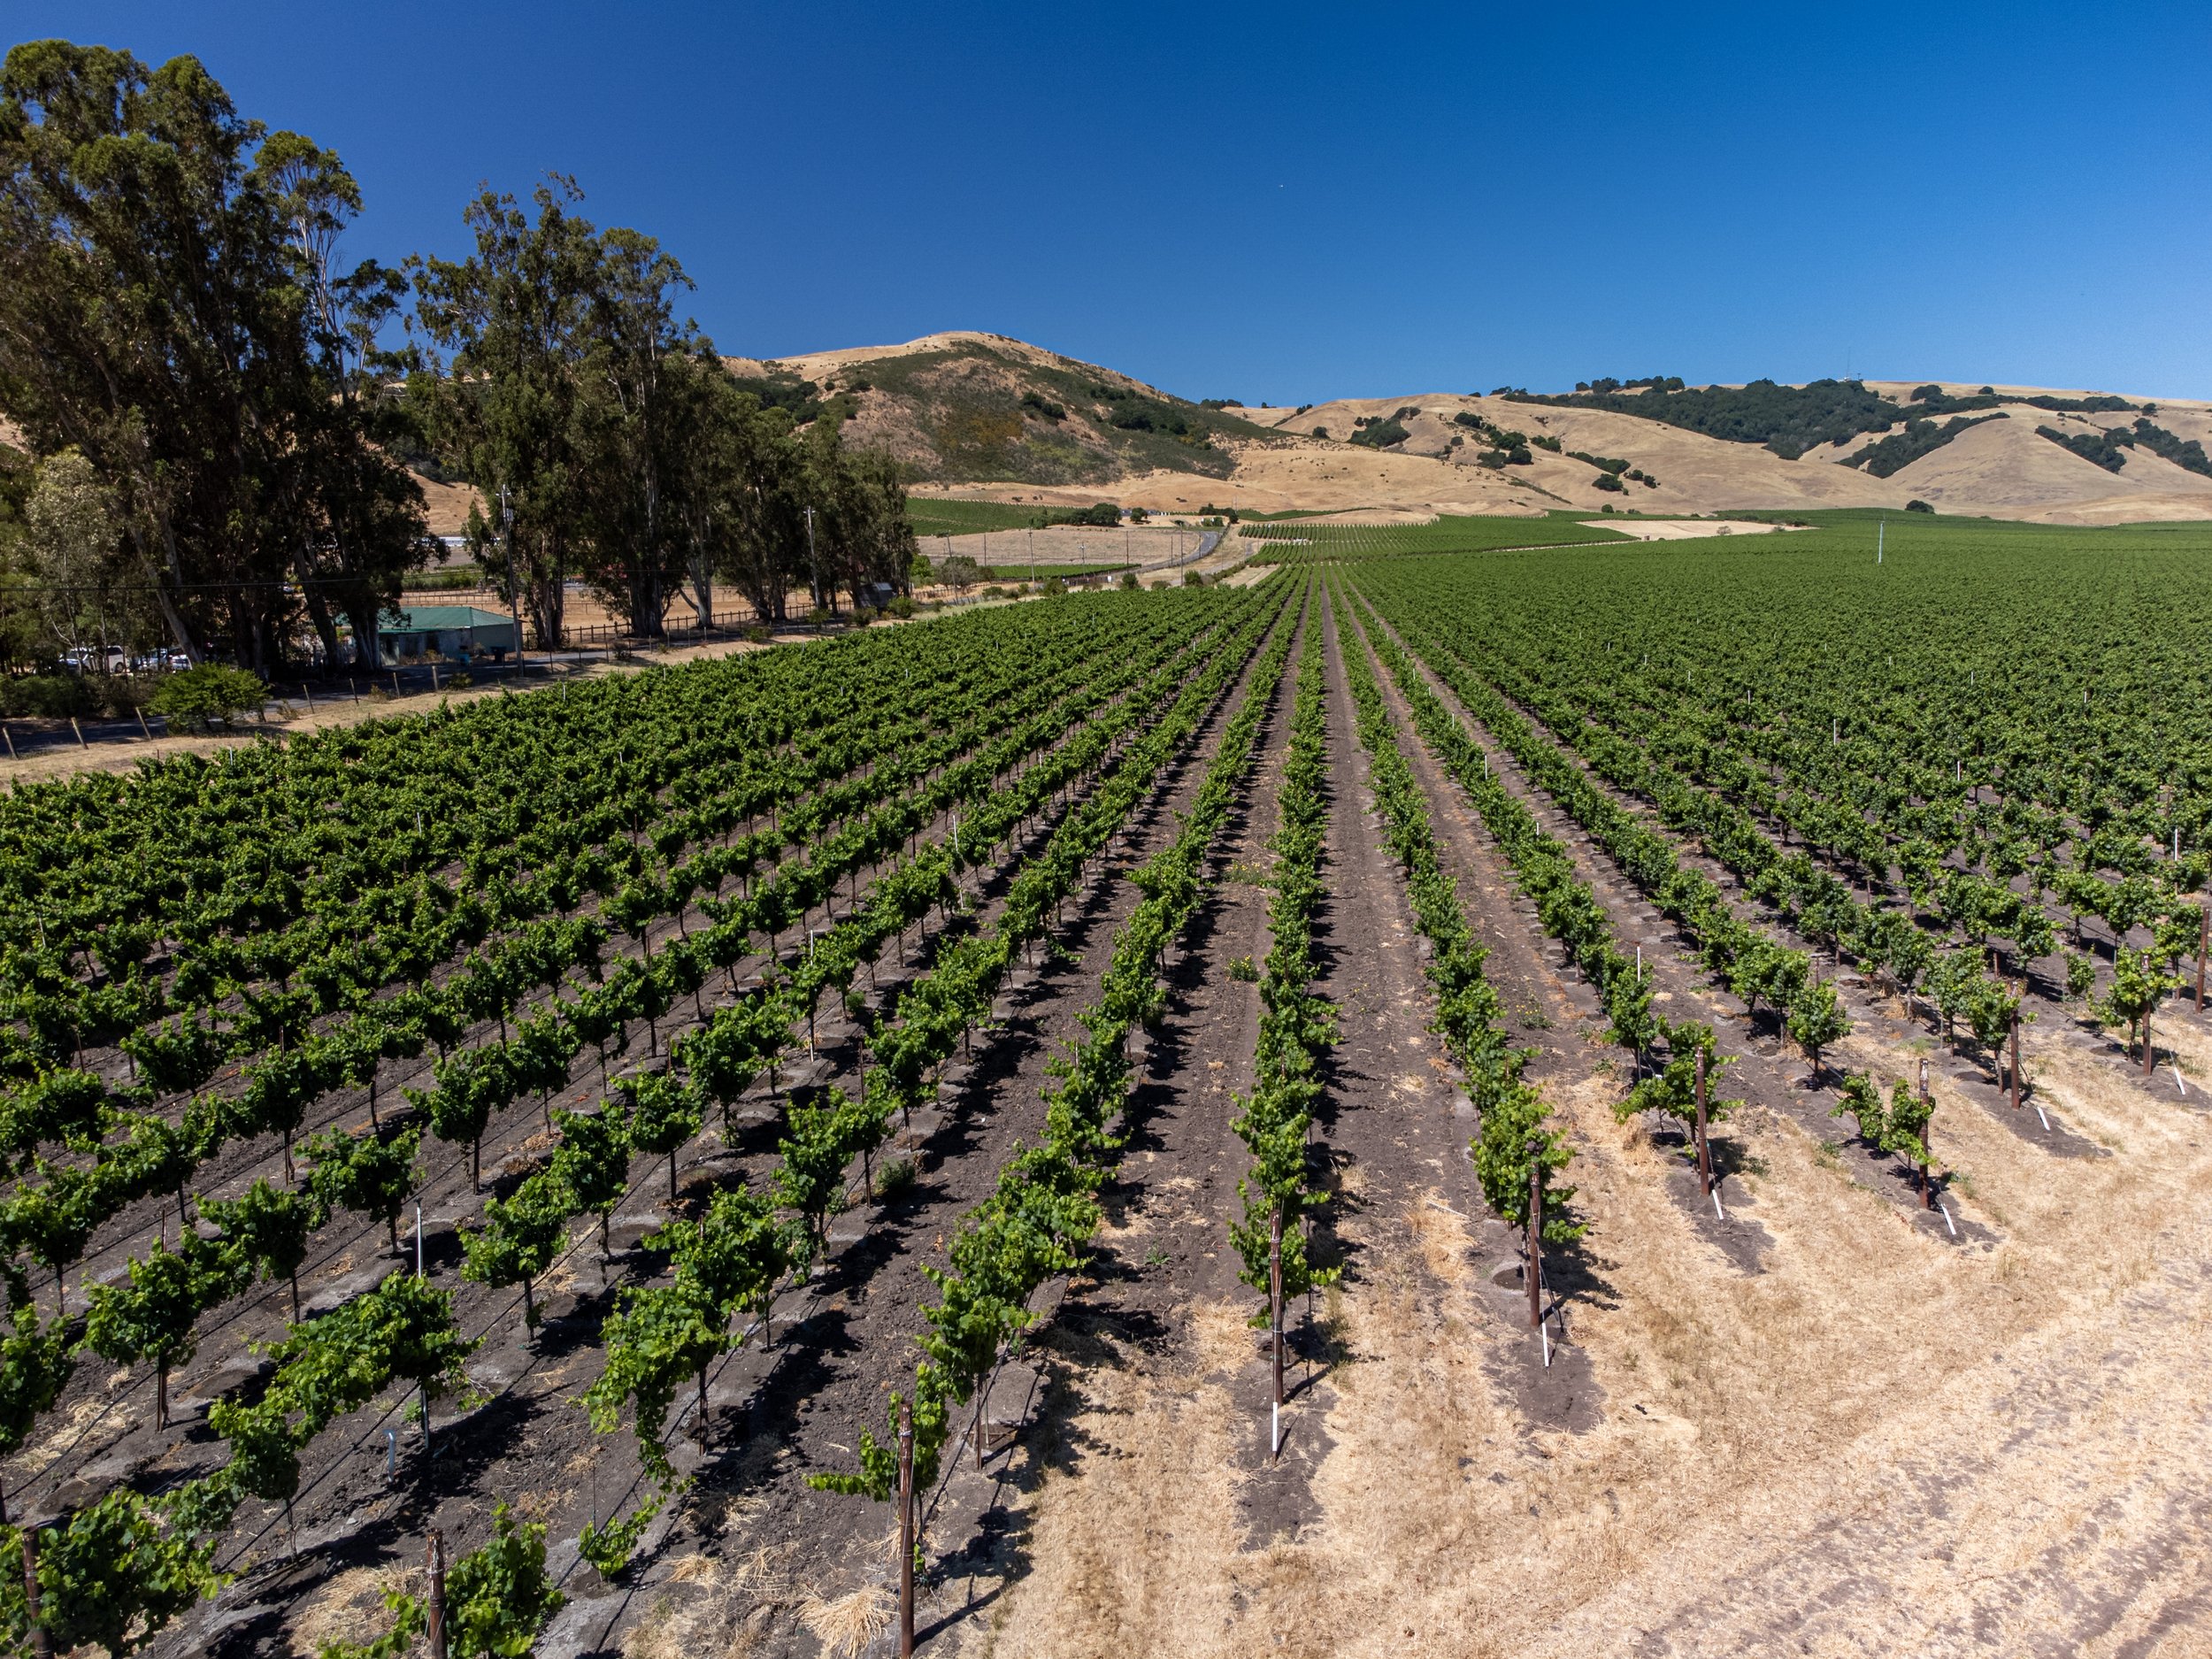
pixel 496 1250
pixel 1993 784
pixel 118 1571
pixel 1511 1130
pixel 183 1052
pixel 1753 966
pixel 1667 1053
pixel 474 1084
pixel 1043 1212
pixel 1297 1026
pixel 1823 907
pixel 734 1260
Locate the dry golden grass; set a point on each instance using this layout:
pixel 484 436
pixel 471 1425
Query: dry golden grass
pixel 849 1623
pixel 1881 1443
pixel 727 1615
pixel 350 1607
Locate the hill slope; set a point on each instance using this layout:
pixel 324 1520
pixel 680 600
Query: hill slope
pixel 986 415
pixel 962 407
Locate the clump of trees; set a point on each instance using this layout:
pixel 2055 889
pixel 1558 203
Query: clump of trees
pixel 216 467
pixel 608 443
pixel 2098 447
pixel 1788 420
pixel 212 452
pixel 1376 433
pixel 1892 455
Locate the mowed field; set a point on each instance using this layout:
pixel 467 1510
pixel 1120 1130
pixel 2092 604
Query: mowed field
pixel 972 993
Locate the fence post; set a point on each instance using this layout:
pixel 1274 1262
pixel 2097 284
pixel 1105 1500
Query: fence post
pixel 1704 1146
pixel 906 1531
pixel 1927 1134
pixel 1535 1232
pixel 42 1644
pixel 1275 1294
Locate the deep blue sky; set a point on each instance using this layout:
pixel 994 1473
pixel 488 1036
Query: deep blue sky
pixel 1292 203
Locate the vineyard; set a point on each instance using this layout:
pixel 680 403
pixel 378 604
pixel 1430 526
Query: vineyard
pixel 1501 1088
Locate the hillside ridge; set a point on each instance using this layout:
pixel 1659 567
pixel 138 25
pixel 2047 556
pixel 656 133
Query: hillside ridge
pixel 972 413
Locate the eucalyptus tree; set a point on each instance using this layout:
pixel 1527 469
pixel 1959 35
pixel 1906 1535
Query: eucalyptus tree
pixel 512 321
pixel 157 315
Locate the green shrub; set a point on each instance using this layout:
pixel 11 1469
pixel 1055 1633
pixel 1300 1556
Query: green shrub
pixel 1918 506
pixel 54 696
pixel 198 697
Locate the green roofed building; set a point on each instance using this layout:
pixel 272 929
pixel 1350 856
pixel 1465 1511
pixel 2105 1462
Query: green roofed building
pixel 455 633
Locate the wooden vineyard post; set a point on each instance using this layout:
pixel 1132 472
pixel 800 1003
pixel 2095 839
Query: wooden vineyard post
pixel 2204 948
pixel 435 1612
pixel 1275 1294
pixel 1535 1232
pixel 906 1531
pixel 2015 1059
pixel 1275 1321
pixel 42 1644
pixel 1927 1126
pixel 1704 1146
pixel 2150 1059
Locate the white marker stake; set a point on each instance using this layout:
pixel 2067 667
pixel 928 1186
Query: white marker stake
pixel 1717 1208
pixel 418 1239
pixel 1274 1431
pixel 1544 1332
pixel 1947 1221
